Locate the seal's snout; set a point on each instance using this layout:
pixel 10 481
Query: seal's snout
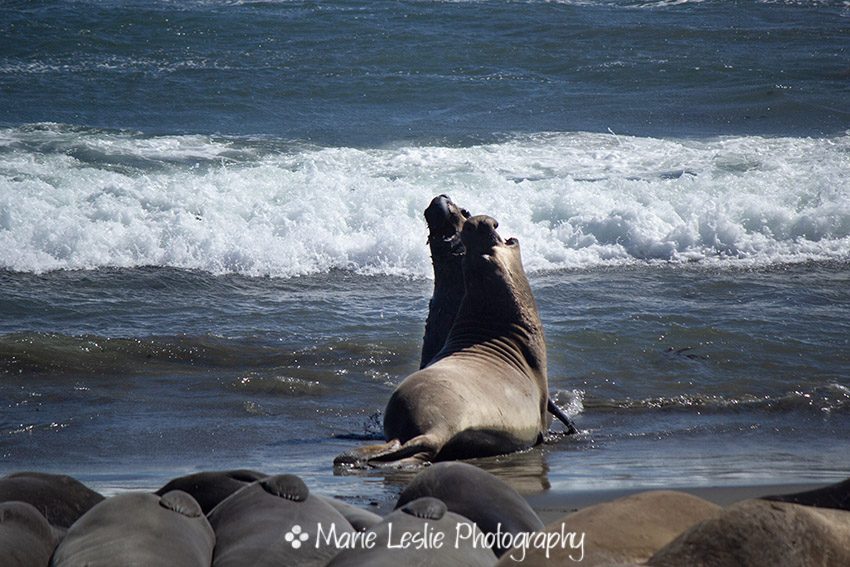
pixel 479 234
pixel 438 211
pixel 444 219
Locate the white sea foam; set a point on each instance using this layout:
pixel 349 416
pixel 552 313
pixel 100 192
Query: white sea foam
pixel 78 199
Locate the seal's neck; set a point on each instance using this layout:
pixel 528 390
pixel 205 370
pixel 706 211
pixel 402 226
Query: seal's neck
pixel 447 260
pixel 498 308
pixel 496 291
pixel 445 303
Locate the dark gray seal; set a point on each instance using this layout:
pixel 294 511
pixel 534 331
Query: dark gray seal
pixel 485 393
pixel 26 538
pixel 424 518
pixel 60 499
pixel 835 496
pixel 273 522
pixel 475 494
pixel 139 529
pixel 445 220
pixel 359 518
pixel 210 488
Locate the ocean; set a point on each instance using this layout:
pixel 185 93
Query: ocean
pixel 213 254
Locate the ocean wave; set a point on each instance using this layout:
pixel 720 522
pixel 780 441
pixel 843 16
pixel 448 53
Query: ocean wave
pixel 822 400
pixel 257 383
pixel 27 354
pixel 76 198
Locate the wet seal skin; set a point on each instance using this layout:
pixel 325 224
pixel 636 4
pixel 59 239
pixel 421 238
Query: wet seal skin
pixel 445 221
pixel 485 392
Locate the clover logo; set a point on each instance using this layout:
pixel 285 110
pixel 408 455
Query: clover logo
pixel 295 536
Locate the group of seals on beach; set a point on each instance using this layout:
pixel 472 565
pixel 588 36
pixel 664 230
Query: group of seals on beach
pixel 250 519
pixel 245 518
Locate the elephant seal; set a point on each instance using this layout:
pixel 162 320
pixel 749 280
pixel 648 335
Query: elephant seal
pixel 359 518
pixel 139 529
pixel 485 393
pixel 443 540
pixel 624 531
pixel 210 488
pixel 251 526
pixel 832 496
pixel 445 220
pixel 26 538
pixel 60 499
pixel 760 533
pixel 475 494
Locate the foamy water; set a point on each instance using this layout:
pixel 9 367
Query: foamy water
pixel 75 198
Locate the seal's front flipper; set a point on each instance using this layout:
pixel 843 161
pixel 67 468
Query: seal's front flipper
pixel 415 461
pixel 562 415
pixel 414 453
pixel 360 457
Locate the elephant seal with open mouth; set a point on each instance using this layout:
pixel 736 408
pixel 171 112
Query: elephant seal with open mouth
pixel 485 393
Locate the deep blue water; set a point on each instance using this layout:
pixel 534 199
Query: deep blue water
pixel 212 251
pixel 368 73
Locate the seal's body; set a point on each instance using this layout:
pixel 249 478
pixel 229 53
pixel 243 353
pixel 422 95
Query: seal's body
pixel 485 392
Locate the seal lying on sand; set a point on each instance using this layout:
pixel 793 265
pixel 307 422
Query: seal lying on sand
pixel 833 496
pixel 763 533
pixel 475 494
pixel 485 393
pixel 623 531
pixel 60 499
pixel 437 537
pixel 445 220
pixel 139 529
pixel 26 538
pixel 210 488
pixel 252 524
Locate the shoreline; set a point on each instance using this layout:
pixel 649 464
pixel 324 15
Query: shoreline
pixel 549 504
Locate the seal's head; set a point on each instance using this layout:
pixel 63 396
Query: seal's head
pixel 445 220
pixel 480 238
pixel 495 283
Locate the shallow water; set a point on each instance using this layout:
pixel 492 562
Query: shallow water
pixel 676 375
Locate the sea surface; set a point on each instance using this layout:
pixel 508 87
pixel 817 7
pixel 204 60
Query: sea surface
pixel 213 255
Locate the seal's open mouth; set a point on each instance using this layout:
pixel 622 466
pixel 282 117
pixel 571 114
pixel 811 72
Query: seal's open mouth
pixel 445 220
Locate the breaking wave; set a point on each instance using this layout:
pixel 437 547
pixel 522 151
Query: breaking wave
pixel 82 198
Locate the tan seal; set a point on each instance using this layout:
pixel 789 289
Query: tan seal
pixel 485 392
